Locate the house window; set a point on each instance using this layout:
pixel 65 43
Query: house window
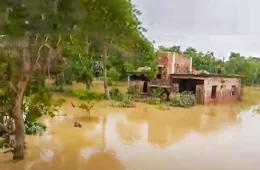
pixel 160 70
pixel 233 90
pixel 214 92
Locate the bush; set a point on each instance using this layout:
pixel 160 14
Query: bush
pixel 32 128
pixel 115 94
pixel 156 96
pixel 88 95
pixel 125 103
pixel 113 74
pixel 158 93
pixel 187 99
pixel 87 107
pixel 110 82
pixel 39 104
pixel 154 100
pixel 133 91
pixel 175 99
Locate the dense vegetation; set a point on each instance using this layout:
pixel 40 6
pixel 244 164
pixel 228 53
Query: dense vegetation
pixel 70 40
pixel 79 40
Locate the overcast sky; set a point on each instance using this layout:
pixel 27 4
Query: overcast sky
pixel 220 26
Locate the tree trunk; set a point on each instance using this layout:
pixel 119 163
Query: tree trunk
pixel 107 96
pixel 87 85
pixel 19 126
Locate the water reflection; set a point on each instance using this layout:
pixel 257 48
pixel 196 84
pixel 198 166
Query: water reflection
pixel 215 138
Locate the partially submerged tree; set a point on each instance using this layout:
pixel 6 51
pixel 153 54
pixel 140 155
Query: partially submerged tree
pixel 32 37
pixel 36 33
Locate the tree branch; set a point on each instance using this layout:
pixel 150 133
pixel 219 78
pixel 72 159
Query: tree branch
pixel 9 84
pixel 58 43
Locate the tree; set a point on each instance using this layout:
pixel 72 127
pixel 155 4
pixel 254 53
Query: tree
pixel 114 22
pixel 31 43
pixel 113 74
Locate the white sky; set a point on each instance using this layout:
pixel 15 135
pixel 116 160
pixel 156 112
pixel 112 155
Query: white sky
pixel 220 26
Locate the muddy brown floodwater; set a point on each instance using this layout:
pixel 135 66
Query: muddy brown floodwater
pixel 223 137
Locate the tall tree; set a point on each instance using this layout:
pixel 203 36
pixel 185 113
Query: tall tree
pixel 33 34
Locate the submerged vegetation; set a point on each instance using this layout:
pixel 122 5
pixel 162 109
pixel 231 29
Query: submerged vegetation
pixel 125 103
pixel 88 95
pixel 185 99
pixel 87 107
pixel 80 41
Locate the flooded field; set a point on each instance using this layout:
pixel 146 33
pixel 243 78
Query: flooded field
pixel 223 137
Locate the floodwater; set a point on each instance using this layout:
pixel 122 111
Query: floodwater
pixel 223 137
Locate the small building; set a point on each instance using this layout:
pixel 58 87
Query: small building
pixel 140 80
pixel 175 74
pixel 209 88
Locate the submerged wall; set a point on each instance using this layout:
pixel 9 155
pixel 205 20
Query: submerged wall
pixel 224 91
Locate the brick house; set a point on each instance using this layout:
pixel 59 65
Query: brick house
pixel 175 74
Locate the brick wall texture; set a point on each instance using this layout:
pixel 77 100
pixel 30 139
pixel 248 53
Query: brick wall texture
pixel 181 66
pixel 224 90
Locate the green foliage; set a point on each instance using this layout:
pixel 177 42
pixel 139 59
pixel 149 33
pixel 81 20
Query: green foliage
pixel 187 99
pixel 133 91
pixel 116 95
pixel 129 67
pixel 154 100
pixel 5 103
pixel 88 95
pixel 32 128
pixel 125 103
pixel 158 93
pixel 175 99
pixel 82 67
pixel 39 104
pixel 88 106
pixel 113 74
pixel 157 96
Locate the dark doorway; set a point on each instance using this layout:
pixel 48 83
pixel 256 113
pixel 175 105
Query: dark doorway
pixel 187 85
pixel 159 74
pixel 145 87
pixel 214 92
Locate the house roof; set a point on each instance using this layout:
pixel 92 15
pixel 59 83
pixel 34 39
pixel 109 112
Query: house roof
pixel 206 75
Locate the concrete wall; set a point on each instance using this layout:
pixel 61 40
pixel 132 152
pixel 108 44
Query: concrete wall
pixel 174 63
pixel 223 94
pixel 165 59
pixel 182 64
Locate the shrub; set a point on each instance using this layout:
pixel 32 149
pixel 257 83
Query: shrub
pixel 110 82
pixel 113 74
pixel 132 91
pixel 175 99
pixel 87 107
pixel 125 103
pixel 32 128
pixel 156 96
pixel 88 95
pixel 158 93
pixel 115 94
pixel 154 100
pixel 187 99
